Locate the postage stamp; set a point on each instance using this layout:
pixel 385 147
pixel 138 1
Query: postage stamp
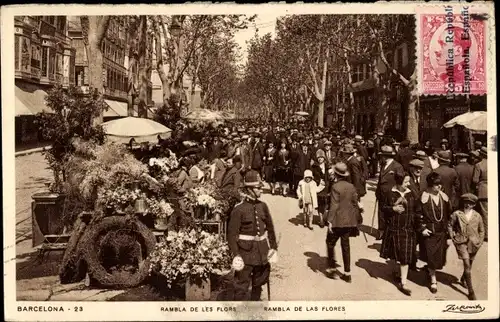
pixel 249 162
pixel 453 52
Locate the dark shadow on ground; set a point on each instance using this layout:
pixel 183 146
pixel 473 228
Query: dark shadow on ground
pixel 375 246
pixel 297 220
pixel 369 230
pixel 422 278
pixel 318 263
pixel 33 266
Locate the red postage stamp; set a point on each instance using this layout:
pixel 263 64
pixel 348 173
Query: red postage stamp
pixel 452 57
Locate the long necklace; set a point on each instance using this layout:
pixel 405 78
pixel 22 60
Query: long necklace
pixel 441 209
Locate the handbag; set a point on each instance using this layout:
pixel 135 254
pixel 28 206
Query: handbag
pixel 301 203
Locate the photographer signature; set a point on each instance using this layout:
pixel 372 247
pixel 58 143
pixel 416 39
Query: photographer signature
pixel 465 309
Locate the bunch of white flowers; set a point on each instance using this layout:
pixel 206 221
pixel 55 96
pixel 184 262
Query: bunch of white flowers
pixel 206 200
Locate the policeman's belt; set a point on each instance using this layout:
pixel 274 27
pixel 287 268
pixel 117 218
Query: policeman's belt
pixel 253 238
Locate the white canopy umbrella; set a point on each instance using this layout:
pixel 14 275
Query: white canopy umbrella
pixel 475 121
pixel 302 113
pixel 140 129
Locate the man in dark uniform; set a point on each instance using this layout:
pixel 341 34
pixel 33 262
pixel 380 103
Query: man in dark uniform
pixel 252 240
pixel 416 166
pixel 465 171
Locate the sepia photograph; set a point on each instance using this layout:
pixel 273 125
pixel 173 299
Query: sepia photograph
pixel 267 156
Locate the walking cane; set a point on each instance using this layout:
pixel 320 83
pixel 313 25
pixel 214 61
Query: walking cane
pixel 373 217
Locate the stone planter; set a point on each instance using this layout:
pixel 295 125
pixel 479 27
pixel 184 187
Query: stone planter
pixel 47 210
pixel 196 292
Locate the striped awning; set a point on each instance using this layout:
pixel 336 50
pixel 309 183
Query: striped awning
pixel 30 101
pixel 116 108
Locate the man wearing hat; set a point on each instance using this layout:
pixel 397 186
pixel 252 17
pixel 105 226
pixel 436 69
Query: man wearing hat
pixel 246 151
pixel 388 167
pixel 478 145
pixel 215 148
pixel 357 177
pixel 231 180
pixel 464 171
pixel 343 218
pixel 416 166
pixel 252 240
pixel 360 148
pixel 449 176
pixel 405 155
pixel 480 182
pixel 258 150
pixel 445 146
pixel 330 155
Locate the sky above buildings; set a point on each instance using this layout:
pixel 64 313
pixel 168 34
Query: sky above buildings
pixel 263 24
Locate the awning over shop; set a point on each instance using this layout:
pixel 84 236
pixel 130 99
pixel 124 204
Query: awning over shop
pixel 116 108
pixel 30 101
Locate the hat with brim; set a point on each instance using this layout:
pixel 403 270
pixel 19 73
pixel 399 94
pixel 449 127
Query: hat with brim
pixel 380 133
pixel 474 154
pixel 340 168
pixel 245 137
pixel 320 154
pixel 420 155
pixel 444 156
pixel 387 151
pixel 483 151
pixel 252 180
pixel 348 149
pixel 308 174
pixel 328 142
pixel 358 138
pixel 470 197
pixel 417 163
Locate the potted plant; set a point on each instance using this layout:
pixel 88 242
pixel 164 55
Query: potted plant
pixel 72 116
pixel 190 257
pixel 161 211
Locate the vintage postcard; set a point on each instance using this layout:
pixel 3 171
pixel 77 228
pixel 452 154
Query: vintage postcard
pixel 240 162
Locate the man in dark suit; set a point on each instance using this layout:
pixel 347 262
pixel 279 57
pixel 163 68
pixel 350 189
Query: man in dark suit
pixel 343 218
pixel 464 171
pixel 301 160
pixel 416 166
pixel 405 155
pixel 388 167
pixel 215 148
pixel 360 148
pixel 449 176
pixel 330 155
pixel 257 153
pixel 356 175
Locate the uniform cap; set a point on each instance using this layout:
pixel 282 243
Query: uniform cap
pixel 252 179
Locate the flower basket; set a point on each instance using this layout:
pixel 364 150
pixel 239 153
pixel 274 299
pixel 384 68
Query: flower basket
pixel 47 215
pixel 198 291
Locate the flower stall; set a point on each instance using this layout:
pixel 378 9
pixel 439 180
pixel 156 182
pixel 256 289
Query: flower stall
pixel 190 257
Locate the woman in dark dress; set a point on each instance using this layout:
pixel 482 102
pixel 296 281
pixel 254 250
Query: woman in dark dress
pixel 282 168
pixel 400 236
pixel 436 211
pixel 268 169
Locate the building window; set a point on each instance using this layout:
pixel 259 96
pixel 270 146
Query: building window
pixel 36 56
pixel 45 59
pixel 25 55
pixel 51 20
pixel 61 24
pixel 59 63
pixel 52 63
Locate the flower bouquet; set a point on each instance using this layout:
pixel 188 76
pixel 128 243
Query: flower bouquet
pixel 161 211
pixel 190 257
pixel 119 198
pixel 162 167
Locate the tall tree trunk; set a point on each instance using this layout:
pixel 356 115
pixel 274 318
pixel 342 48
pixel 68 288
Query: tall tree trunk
pixel 413 116
pixel 381 114
pixel 351 124
pixel 94 29
pixel 142 69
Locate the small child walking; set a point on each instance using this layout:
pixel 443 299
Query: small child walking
pixel 466 229
pixel 307 191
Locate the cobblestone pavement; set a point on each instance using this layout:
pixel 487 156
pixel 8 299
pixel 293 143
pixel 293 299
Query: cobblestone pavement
pixel 298 275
